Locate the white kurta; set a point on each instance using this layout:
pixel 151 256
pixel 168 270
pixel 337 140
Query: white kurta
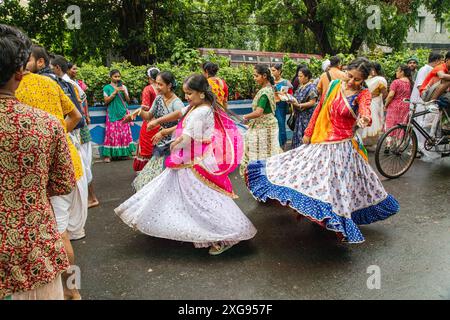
pixel 427 120
pixel 177 205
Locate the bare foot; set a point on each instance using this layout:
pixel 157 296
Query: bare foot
pixel 217 249
pixel 71 294
pixel 93 203
pixel 107 160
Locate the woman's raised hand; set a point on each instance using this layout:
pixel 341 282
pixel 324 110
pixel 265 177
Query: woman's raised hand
pixel 157 138
pixel 131 117
pixel 306 140
pixel 363 122
pixel 152 124
pixel 128 118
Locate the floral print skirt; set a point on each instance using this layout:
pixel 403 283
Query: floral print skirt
pixel 118 140
pixel 331 184
pixel 152 169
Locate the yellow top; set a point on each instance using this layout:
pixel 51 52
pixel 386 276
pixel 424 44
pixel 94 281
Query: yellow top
pixel 43 93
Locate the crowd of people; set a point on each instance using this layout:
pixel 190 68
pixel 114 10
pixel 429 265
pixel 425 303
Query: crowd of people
pixel 186 153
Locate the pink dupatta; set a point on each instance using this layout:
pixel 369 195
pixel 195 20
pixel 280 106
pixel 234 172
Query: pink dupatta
pixel 227 149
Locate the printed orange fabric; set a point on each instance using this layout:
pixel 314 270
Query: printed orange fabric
pixel 34 165
pixel 220 89
pixel 43 93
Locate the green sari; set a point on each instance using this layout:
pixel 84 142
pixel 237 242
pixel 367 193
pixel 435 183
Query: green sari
pixel 261 139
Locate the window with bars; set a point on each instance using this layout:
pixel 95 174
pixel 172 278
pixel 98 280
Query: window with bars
pixel 420 24
pixel 440 26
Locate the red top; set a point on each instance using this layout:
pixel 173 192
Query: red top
pixel 342 119
pixel 148 96
pixel 432 77
pixel 145 149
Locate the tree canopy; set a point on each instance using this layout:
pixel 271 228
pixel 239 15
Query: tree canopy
pixel 146 31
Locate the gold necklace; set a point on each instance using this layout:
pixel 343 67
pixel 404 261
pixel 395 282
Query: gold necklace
pixel 166 100
pixel 304 85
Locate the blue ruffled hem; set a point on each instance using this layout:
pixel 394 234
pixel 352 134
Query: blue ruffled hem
pixel 316 210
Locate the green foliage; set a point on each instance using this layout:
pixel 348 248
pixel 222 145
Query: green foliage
pixel 391 62
pixel 96 77
pixel 221 61
pixel 149 31
pixel 11 12
pixel 239 79
pixel 183 55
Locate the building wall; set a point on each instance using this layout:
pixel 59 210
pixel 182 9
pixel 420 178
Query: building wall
pixel 429 38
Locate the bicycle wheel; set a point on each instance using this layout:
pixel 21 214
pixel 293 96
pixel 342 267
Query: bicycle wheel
pixel 396 151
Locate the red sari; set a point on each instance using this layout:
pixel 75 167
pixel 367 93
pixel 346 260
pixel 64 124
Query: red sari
pixel 145 146
pixel 398 110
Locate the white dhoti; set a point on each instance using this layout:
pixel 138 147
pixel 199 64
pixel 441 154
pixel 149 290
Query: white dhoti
pixel 78 210
pixel 61 206
pixel 71 210
pixel 86 157
pixel 79 207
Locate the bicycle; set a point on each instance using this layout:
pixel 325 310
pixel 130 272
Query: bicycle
pixel 397 148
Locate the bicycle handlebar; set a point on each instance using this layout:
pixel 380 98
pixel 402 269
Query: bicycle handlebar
pixel 419 102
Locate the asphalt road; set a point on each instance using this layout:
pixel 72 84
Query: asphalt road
pixel 288 258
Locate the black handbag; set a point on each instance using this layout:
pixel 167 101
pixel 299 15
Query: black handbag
pixel 162 149
pixel 292 120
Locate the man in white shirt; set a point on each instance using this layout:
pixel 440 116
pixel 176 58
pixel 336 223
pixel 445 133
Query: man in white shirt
pixel 433 60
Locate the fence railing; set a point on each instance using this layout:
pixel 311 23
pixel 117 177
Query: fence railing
pixel 98 119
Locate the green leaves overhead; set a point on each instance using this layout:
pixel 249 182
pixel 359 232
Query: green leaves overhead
pixel 149 31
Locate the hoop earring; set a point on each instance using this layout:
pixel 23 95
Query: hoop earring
pixel 202 96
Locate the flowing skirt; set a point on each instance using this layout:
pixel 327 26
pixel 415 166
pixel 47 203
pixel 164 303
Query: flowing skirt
pixel 331 184
pixel 178 206
pixel 261 141
pixel 118 140
pixel 153 168
pixel 145 147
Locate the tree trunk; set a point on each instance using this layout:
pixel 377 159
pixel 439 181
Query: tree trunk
pixel 318 29
pixel 132 18
pixel 356 44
